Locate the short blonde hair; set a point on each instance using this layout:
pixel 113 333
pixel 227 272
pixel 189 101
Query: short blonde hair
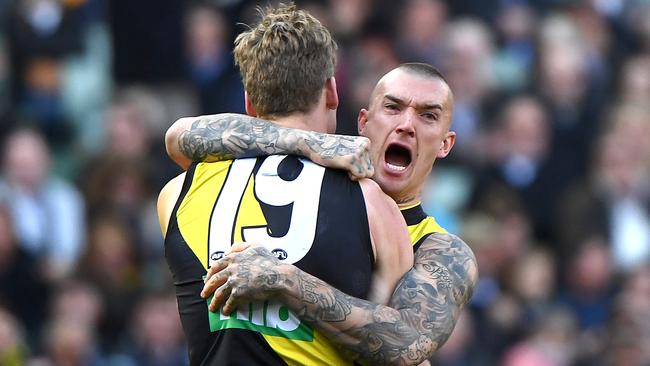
pixel 285 60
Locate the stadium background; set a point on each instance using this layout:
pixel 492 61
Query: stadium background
pixel 549 181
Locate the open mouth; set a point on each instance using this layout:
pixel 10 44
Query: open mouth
pixel 397 157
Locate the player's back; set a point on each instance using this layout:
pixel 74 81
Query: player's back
pixel 305 214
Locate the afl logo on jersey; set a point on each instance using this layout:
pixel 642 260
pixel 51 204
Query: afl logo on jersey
pixel 280 254
pixel 216 255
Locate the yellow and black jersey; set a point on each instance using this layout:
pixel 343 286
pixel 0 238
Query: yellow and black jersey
pixel 420 226
pixel 305 214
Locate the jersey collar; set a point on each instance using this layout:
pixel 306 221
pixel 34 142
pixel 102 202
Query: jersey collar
pixel 413 214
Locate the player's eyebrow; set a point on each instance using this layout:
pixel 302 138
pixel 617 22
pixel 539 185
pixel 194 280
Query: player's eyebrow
pixel 395 99
pixel 425 106
pixel 431 106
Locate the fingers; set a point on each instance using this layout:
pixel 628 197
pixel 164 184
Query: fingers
pixel 217 266
pixel 371 170
pixel 231 303
pixel 364 166
pixel 366 157
pixel 215 281
pixel 362 170
pixel 223 275
pixel 357 176
pixel 220 295
pixel 231 297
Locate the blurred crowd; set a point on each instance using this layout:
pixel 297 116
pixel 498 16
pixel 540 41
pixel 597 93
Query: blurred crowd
pixel 549 181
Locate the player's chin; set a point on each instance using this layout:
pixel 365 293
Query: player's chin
pixel 391 185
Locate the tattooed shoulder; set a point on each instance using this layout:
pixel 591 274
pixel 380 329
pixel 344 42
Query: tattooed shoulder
pixel 451 261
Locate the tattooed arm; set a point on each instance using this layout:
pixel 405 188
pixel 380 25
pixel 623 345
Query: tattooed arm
pixel 229 136
pixel 418 320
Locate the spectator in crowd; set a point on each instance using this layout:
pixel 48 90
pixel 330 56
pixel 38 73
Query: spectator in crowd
pixel 372 57
pixel 348 18
pixel 20 279
pixel 42 34
pixel 47 211
pixel 570 90
pixel 209 61
pixel 516 31
pixel 532 281
pixel 157 336
pixel 123 176
pixel 499 313
pixel 468 64
pixel 111 264
pixel 551 342
pixel 526 163
pixel 614 205
pixel 629 329
pixel 635 80
pixel 79 302
pixel 70 344
pixel 421 30
pixel 589 291
pixel 134 128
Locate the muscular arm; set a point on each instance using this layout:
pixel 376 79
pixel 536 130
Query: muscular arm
pixel 421 314
pixel 228 136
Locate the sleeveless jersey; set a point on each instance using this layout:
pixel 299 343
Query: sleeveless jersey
pixel 419 225
pixel 307 215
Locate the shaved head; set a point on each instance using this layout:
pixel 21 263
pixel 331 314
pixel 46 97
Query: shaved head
pixel 414 68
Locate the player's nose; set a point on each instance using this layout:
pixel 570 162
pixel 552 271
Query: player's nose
pixel 406 124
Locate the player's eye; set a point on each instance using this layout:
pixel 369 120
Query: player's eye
pixel 391 106
pixel 430 116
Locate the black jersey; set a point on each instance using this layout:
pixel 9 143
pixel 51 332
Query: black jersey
pixel 305 214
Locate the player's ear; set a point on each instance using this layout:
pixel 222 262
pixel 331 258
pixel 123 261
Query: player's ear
pixel 250 109
pixel 331 95
pixel 362 120
pixel 447 144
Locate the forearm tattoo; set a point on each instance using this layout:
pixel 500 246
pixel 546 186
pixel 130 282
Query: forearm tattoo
pixel 229 136
pixel 421 314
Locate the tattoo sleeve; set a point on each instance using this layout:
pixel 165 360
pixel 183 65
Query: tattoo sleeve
pixel 419 318
pixel 228 136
